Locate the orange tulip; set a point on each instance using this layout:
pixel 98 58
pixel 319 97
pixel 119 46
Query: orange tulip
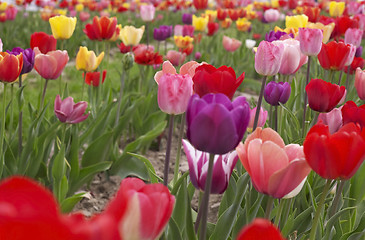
pixel 10 66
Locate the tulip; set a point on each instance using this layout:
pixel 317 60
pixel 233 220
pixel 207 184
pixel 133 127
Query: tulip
pixel 335 156
pixel 212 14
pixel 243 25
pixel 353 36
pixel 10 66
pixel 276 93
pixel 131 36
pixel 147 12
pixel 187 18
pixel 358 62
pixel 200 4
pixel 183 42
pixel 84 16
pixel 213 27
pixel 310 41
pixel 275 169
pixel 260 229
pixel 271 15
pixel 28 58
pixel 208 79
pixel 188 68
pixel 262 118
pixel 188 31
pixel 250 44
pixel 43 41
pixel 268 58
pixel 312 13
pixel 297 21
pixel 162 33
pixel 175 57
pixel 351 55
pixel 62 26
pixel 197 56
pixel 231 44
pixel 93 78
pixel 200 23
pixel 278 35
pixel 174 92
pixel 233 14
pixel 198 166
pixel 327 29
pixel 101 29
pixel 215 124
pixel 332 119
pixel 342 24
pixel 360 83
pixel 323 96
pixel 87 60
pixel 226 23
pixel 221 14
pixel 358 51
pixel 334 55
pixel 147 56
pixel 50 65
pixel 68 112
pixel 352 113
pixel 1 45
pixel 336 8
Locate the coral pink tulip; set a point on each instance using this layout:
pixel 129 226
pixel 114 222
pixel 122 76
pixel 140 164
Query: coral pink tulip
pixel 332 119
pixel 268 58
pixel 174 92
pixel 360 83
pixel 310 41
pixel 231 44
pixel 262 118
pixel 167 67
pixel 275 169
pixel 175 57
pixel 50 65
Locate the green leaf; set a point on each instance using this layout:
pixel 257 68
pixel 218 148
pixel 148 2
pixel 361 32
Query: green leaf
pixel 59 166
pixel 335 218
pixel 178 183
pixel 179 213
pixel 69 203
pixel 173 232
pixel 98 151
pixel 152 173
pixel 228 196
pixel 74 154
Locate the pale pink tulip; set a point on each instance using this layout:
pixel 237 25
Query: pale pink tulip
pixel 332 119
pixel 147 12
pixel 292 58
pixel 174 92
pixel 310 41
pixel 351 55
pixel 167 67
pixel 84 16
pixel 50 65
pixel 275 169
pixel 231 44
pixel 360 83
pixel 353 36
pixel 268 58
pixel 271 15
pixel 175 57
pixel 262 118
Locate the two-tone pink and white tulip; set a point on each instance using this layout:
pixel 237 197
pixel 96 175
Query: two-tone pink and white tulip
pixel 268 58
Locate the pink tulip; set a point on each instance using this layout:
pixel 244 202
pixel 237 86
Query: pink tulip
pixel 332 119
pixel 262 118
pixel 69 112
pixel 310 41
pixel 353 36
pixel 198 168
pixel 167 67
pixel 351 55
pixel 268 58
pixel 174 92
pixel 178 30
pixel 231 44
pixel 50 65
pixel 275 169
pixel 147 12
pixel 175 57
pixel 271 15
pixel 84 16
pixel 360 83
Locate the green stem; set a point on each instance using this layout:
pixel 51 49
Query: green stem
pixel 83 86
pixel 339 79
pixel 43 95
pixel 179 142
pixel 286 212
pixel 168 151
pixel 258 107
pixel 2 157
pixel 278 215
pixel 319 210
pixel 205 202
pixel 305 97
pixel 122 80
pixel 20 124
pixel 269 204
pixel 347 79
pixel 337 198
pixel 276 118
pixel 332 73
pixel 10 128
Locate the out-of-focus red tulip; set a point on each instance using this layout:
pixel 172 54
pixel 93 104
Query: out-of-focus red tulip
pixel 221 14
pixel 93 78
pixel 200 4
pixel 212 28
pixel 260 229
pixel 101 29
pixel 10 66
pixel 352 113
pixel 312 13
pixel 147 56
pixel 43 41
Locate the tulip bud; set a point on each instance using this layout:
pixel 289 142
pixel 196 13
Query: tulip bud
pixel 128 61
pixel 276 93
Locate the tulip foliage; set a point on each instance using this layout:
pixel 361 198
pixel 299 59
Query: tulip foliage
pixel 263 140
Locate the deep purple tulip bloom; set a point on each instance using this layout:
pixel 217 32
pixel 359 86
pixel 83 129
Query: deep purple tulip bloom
pixel 28 58
pixel 215 124
pixel 274 36
pixel 198 168
pixel 358 52
pixel 162 33
pixel 69 112
pixel 276 93
pixel 187 18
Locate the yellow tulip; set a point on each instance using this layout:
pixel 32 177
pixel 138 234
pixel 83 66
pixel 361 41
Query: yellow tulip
pixel 116 33
pixel 327 29
pixel 3 6
pixel 297 21
pixel 212 14
pixel 275 3
pixel 61 12
pixel 337 8
pixel 131 36
pixel 183 42
pixel 243 24
pixel 79 7
pixel 62 27
pixel 200 23
pixel 87 60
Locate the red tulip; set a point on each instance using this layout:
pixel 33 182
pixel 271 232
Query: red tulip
pixel 233 14
pixel 93 78
pixel 43 41
pixel 358 62
pixel 221 14
pixel 200 4
pixel 212 28
pixel 335 156
pixel 312 13
pixel 146 56
pixel 50 65
pixel 342 24
pixel 208 79
pixel 333 55
pixel 101 29
pixel 10 66
pixel 352 113
pixel 323 96
pixel 260 229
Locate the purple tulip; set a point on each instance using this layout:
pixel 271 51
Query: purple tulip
pixel 28 58
pixel 273 36
pixel 162 33
pixel 69 112
pixel 358 52
pixel 187 18
pixel 276 93
pixel 215 124
pixel 198 167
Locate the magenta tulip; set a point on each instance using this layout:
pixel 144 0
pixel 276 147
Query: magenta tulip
pixel 310 41
pixel 268 58
pixel 69 112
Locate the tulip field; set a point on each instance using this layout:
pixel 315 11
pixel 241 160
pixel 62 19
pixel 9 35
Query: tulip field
pixel 182 120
